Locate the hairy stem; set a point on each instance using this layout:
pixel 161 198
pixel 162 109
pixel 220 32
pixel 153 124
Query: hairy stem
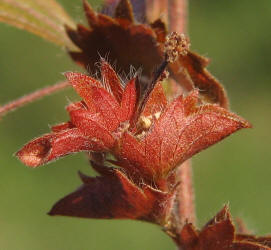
pixel 38 94
pixel 178 12
pixel 186 193
pixel 178 15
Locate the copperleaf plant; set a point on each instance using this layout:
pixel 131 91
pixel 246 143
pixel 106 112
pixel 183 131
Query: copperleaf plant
pixel 137 136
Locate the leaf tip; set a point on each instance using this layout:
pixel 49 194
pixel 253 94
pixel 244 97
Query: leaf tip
pixel 74 78
pixel 124 10
pixel 34 153
pixel 244 123
pixel 90 13
pixel 69 75
pixel 247 124
pixel 53 211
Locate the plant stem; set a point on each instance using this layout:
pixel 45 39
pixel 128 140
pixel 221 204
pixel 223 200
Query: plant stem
pixel 178 10
pixel 178 15
pixel 38 94
pixel 186 193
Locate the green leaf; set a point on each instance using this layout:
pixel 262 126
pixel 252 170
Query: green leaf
pixel 43 18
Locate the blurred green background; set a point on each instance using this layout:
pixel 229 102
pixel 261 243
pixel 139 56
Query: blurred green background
pixel 236 35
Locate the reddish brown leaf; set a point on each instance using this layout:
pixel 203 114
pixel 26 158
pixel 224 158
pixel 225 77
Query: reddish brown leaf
pixel 162 140
pixel 182 130
pixel 128 101
pixel 107 106
pixel 82 84
pixel 124 11
pixel 73 35
pixel 156 101
pixel 62 126
pixel 189 237
pixel 52 146
pixel 90 14
pixel 219 233
pixel 100 197
pixel 94 121
pixel 93 127
pixel 162 204
pixel 205 126
pixel 222 215
pixel 133 44
pixel 110 78
pixel 208 85
pixel 113 196
pixel 97 98
pixel 131 155
pixel 160 30
pixel 190 102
